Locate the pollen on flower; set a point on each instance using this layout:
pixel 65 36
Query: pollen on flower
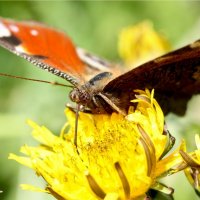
pixel 117 157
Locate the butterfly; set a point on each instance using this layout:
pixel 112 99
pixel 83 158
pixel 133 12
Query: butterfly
pixel 100 86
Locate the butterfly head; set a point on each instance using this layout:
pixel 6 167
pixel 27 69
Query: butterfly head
pixel 80 96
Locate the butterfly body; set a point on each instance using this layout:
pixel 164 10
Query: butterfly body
pixel 100 86
pixel 85 94
pixel 91 97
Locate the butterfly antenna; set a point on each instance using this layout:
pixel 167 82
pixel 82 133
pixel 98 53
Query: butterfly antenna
pixel 76 124
pixel 36 80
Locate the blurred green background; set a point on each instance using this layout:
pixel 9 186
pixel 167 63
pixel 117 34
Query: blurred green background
pixel 94 26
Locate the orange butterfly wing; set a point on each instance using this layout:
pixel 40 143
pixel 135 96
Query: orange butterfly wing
pixel 43 46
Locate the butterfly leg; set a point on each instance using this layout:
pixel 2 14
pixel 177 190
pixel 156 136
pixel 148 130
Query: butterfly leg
pixel 76 111
pixel 72 108
pixel 82 109
pixel 76 125
pixel 110 103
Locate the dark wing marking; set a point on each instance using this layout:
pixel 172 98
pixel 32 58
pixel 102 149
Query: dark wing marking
pixel 10 40
pixel 174 76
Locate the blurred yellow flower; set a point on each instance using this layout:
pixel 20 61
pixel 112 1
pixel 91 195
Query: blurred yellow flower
pixel 117 157
pixel 140 43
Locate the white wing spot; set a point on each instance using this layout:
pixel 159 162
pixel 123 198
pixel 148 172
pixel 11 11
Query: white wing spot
pixel 14 28
pixel 20 49
pixel 4 31
pixel 34 32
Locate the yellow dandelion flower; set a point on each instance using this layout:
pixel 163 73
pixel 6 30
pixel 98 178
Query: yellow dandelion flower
pixel 140 43
pixel 117 157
